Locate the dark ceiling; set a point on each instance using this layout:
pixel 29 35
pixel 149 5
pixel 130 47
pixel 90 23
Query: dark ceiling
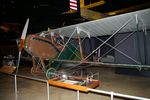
pixel 48 13
pixel 16 10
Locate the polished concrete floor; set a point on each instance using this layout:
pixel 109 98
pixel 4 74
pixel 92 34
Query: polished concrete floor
pixel 34 90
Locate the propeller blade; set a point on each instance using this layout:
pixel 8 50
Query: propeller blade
pixel 24 32
pixel 23 36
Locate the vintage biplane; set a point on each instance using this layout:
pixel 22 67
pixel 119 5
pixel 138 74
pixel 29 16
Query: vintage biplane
pixel 85 8
pixel 117 41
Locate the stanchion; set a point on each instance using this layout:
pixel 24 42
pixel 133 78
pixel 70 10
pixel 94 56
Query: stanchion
pixel 47 90
pixel 78 95
pixel 16 91
pixel 112 95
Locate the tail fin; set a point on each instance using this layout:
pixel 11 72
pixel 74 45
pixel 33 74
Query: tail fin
pixel 75 5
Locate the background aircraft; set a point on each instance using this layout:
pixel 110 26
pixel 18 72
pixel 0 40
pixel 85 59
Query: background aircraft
pixel 87 8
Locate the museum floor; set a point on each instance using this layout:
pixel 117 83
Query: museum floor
pixel 34 90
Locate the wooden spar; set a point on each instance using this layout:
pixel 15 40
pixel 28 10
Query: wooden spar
pixel 52 38
pixel 105 64
pixel 80 46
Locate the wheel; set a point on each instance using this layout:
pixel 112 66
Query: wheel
pixel 51 73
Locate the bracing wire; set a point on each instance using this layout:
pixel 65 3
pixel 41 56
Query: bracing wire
pixel 108 38
pixel 120 51
pixel 118 44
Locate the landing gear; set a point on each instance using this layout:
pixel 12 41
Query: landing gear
pixel 51 73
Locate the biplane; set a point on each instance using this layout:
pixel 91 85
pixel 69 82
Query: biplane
pixel 117 41
pixel 85 8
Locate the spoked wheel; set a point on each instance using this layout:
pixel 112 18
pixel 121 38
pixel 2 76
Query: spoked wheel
pixel 51 73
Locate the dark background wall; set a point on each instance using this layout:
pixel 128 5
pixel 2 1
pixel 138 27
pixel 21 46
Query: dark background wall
pixel 134 47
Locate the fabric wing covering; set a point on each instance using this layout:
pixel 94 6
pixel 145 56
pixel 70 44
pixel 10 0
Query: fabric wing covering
pixel 109 25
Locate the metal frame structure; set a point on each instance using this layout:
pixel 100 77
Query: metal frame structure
pixel 111 94
pixel 131 22
pixel 29 78
pixel 82 33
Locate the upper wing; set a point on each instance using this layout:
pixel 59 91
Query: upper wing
pixel 109 25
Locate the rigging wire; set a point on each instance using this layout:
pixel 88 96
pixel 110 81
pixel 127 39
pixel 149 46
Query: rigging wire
pixel 118 44
pixel 109 38
pixel 120 51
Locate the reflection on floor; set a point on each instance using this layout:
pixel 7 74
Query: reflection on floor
pixel 33 90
